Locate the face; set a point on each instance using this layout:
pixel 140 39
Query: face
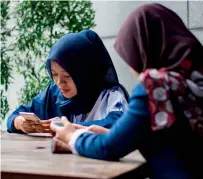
pixel 63 80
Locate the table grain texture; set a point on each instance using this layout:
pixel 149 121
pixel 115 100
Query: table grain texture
pixel 30 157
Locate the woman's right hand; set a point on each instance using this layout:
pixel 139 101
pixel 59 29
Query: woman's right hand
pixel 24 125
pixel 28 126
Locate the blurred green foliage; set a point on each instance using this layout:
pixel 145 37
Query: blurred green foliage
pixel 37 26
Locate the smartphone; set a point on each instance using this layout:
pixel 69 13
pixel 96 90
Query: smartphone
pixel 29 116
pixel 58 123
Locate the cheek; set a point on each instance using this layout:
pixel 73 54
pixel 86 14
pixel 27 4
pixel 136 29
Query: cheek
pixel 73 88
pixel 71 85
pixel 55 80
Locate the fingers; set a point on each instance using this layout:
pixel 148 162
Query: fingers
pixel 32 127
pixel 42 129
pixel 77 126
pixel 27 124
pixel 65 121
pixel 54 118
pixel 91 128
pixel 54 127
pixel 58 146
pixel 45 122
pixel 28 128
pixel 46 126
pixel 45 131
pixel 98 129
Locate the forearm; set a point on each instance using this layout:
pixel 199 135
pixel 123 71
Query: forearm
pixel 108 122
pixel 126 135
pixel 115 144
pixel 13 124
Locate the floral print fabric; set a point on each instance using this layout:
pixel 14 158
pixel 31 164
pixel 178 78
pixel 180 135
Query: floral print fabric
pixel 185 85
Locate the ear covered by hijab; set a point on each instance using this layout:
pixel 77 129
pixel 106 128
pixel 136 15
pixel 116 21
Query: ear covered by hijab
pixel 153 36
pixel 85 58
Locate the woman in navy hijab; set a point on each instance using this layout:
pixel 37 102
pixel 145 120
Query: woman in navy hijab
pixel 85 87
pixel 164 119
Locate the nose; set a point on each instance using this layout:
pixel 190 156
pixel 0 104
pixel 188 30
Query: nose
pixel 60 81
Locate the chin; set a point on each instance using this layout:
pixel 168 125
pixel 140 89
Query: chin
pixel 69 95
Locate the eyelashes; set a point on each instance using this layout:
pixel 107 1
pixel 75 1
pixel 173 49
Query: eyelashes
pixel 55 75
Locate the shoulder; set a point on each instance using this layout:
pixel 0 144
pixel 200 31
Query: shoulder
pixel 138 90
pixel 115 99
pixel 115 91
pixel 139 100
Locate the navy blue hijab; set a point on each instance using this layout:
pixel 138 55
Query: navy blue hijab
pixel 84 56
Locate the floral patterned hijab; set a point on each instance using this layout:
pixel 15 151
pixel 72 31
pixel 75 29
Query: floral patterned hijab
pixel 155 41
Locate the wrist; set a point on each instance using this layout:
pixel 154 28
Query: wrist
pixel 73 138
pixel 68 137
pixel 17 122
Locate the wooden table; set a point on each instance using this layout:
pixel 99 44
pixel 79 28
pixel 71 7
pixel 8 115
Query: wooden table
pixel 30 157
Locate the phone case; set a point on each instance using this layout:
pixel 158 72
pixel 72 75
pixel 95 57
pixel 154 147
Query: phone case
pixel 29 116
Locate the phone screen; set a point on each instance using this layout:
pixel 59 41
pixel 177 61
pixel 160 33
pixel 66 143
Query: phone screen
pixel 58 123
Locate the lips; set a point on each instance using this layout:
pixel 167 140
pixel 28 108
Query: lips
pixel 64 91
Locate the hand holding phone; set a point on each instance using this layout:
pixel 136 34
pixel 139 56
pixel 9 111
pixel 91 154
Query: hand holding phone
pixel 29 116
pixel 30 123
pixel 57 122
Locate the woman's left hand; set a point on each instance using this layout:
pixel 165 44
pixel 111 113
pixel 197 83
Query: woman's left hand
pixel 65 132
pixel 93 128
pixel 97 129
pixel 43 126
